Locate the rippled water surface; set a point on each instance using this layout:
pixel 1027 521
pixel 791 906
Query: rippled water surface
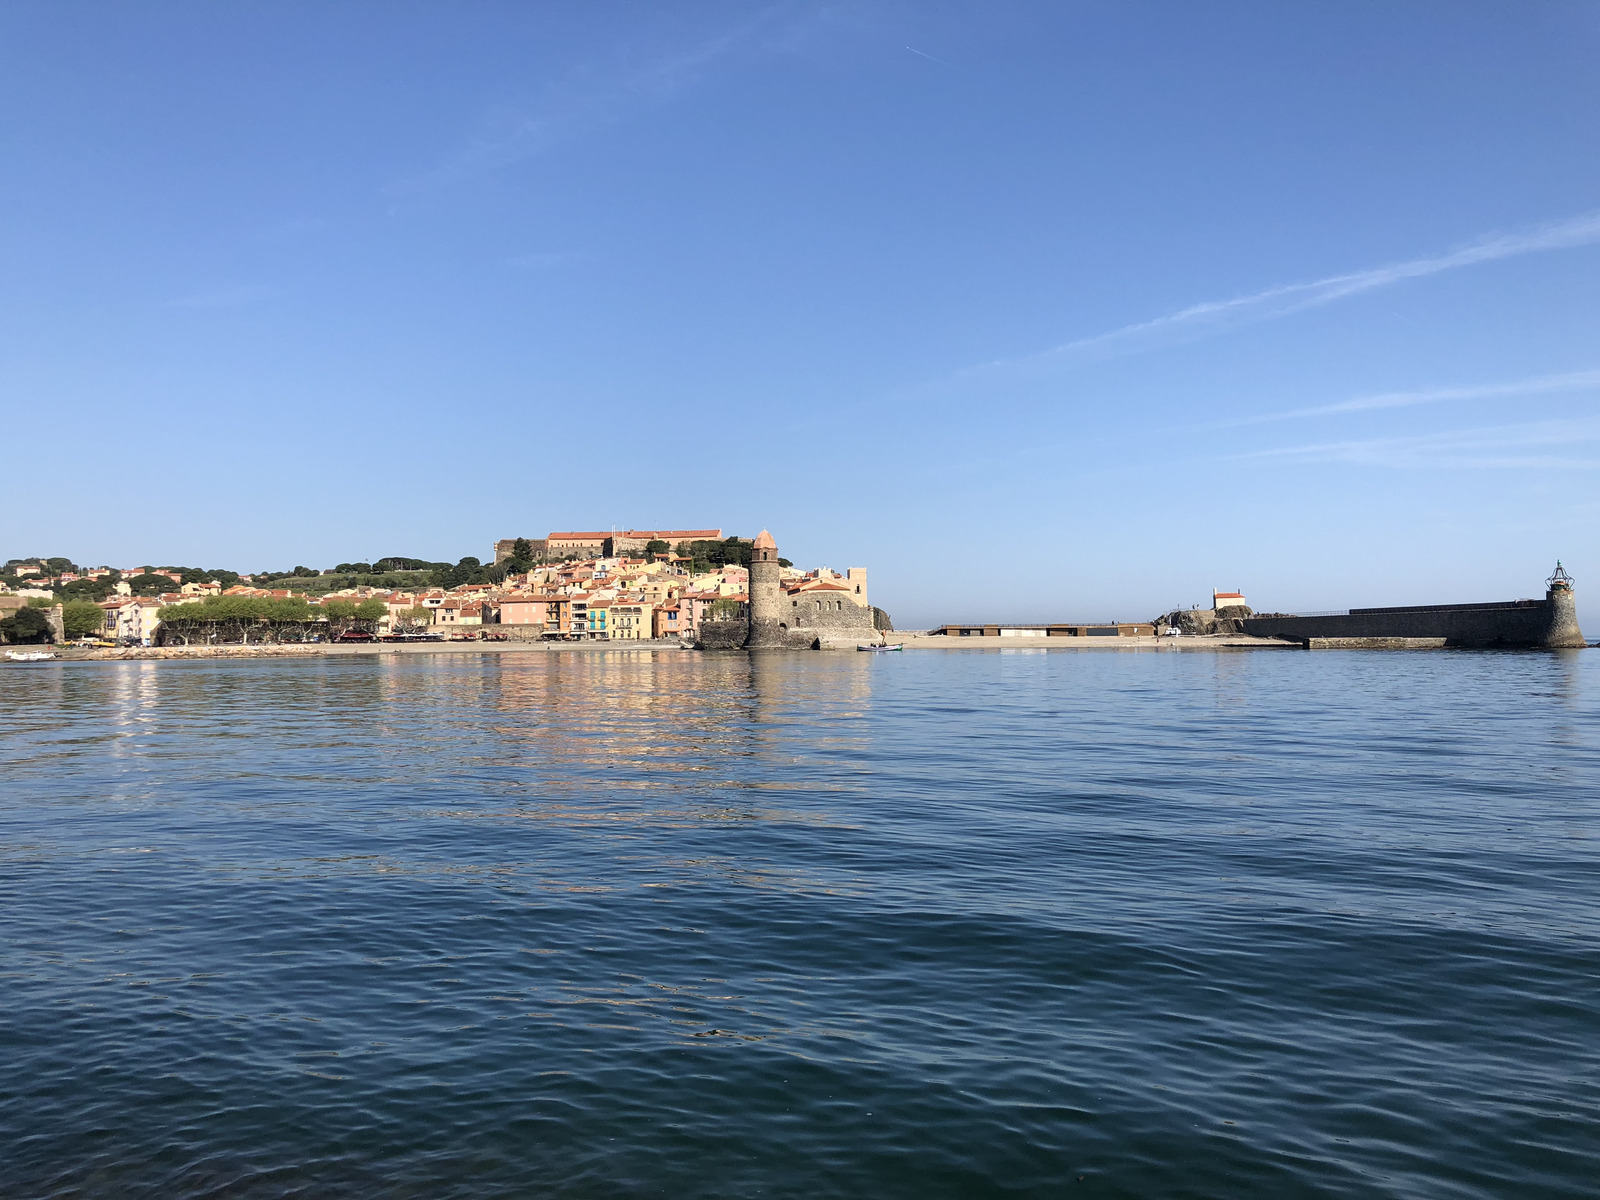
pixel 959 923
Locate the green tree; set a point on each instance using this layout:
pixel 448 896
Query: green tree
pixel 150 585
pixel 27 625
pixel 656 546
pixel 414 619
pixel 82 618
pixel 89 589
pixel 340 614
pixel 521 556
pixel 468 570
pixel 732 551
pixel 371 610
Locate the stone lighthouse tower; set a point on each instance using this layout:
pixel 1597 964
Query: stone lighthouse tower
pixel 766 631
pixel 1563 606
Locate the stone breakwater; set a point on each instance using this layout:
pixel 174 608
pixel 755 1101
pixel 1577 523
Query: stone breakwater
pixel 128 653
pixel 1549 623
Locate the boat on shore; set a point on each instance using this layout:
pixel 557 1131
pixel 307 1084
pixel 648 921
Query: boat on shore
pixel 877 649
pixel 29 655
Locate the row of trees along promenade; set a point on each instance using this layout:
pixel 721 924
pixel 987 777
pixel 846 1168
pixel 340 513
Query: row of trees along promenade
pixel 267 619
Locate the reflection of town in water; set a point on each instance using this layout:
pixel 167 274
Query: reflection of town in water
pixel 639 736
pixel 611 786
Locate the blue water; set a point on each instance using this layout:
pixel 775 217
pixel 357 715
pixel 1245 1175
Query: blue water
pixel 960 923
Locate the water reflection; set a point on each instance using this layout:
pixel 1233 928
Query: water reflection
pixel 975 914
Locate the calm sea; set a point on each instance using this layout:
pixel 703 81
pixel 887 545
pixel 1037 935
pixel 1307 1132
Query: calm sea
pixel 962 923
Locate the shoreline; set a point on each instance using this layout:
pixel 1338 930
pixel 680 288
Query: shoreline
pixel 911 641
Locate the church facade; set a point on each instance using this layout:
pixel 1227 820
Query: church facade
pixel 811 614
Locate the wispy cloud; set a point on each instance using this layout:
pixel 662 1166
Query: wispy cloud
pixel 587 98
pixel 1536 444
pixel 1572 381
pixel 1214 315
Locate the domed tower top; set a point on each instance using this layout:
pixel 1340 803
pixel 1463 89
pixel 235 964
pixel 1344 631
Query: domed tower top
pixel 765 549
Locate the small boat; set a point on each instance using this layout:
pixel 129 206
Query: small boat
pixel 877 649
pixel 29 656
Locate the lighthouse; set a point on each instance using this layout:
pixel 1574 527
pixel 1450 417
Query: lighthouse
pixel 1563 630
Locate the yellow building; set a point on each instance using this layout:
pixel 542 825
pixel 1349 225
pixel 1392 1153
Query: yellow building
pixel 631 622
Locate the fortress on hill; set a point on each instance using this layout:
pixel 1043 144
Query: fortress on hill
pixel 603 543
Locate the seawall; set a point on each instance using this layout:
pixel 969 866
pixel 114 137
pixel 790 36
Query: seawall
pixel 1547 623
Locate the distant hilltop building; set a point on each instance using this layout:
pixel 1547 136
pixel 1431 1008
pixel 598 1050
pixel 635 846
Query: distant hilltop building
pixel 603 543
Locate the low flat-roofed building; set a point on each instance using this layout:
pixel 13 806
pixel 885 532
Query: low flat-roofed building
pixel 1094 629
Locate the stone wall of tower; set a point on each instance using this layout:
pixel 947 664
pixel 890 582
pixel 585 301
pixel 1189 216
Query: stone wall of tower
pixel 1564 631
pixel 766 619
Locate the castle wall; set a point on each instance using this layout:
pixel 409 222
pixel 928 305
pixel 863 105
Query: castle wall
pixel 830 612
pixel 503 548
pixel 722 635
pixel 1509 623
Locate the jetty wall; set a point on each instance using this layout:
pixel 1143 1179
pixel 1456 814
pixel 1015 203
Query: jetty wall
pixel 1548 622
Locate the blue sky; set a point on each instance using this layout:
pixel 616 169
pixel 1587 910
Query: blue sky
pixel 1119 302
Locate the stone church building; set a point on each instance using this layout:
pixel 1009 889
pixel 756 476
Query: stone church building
pixel 813 613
